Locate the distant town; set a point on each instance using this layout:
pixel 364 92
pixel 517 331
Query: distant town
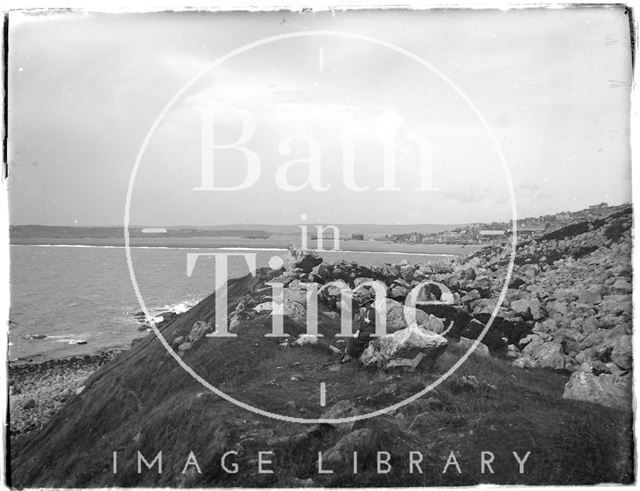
pixel 500 232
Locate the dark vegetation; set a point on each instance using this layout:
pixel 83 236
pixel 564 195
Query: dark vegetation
pixel 143 401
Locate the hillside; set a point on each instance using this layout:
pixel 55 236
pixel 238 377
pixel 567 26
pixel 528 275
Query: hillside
pixel 566 320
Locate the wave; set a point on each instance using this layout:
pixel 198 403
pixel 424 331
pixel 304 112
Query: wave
pixel 60 338
pixel 177 308
pixel 156 312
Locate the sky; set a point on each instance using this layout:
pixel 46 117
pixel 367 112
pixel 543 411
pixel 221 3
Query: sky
pixel 381 120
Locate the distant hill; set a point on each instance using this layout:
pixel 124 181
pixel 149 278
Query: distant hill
pixel 235 230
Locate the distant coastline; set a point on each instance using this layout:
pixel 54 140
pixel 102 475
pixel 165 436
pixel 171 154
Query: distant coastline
pixel 281 242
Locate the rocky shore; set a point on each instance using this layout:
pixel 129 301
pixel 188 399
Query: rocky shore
pixel 39 390
pixel 568 305
pixel 551 376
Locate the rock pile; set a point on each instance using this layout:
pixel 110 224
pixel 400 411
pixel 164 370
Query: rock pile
pixel 573 287
pixel 567 305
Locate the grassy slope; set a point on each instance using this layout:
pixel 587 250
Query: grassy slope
pixel 144 401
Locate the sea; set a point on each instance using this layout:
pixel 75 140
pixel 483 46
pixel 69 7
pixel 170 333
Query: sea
pixel 71 300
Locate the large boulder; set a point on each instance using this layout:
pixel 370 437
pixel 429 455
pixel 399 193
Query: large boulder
pixel 406 272
pixel 590 296
pixel 306 260
pixel 606 389
pixel 198 330
pixel 407 348
pixel 521 307
pixel 341 409
pixel 361 441
pixel 470 297
pixel 617 304
pixel 622 286
pixel 545 354
pixel 399 315
pixel 483 285
pixel 294 310
pixel 535 308
pixel 480 350
pixel 621 354
pixel 434 324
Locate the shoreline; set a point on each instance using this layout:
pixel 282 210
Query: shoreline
pixel 437 253
pixel 37 390
pixel 276 243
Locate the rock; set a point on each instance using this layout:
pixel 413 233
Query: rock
pixel 29 404
pixel 606 390
pixel 295 294
pixel 406 347
pixel 185 347
pixel 484 306
pixel 569 334
pixel 448 298
pixel 398 314
pixel 178 341
pixel 521 307
pixel 306 339
pixel 234 322
pixel 360 441
pixel 398 291
pixel 434 324
pixel 530 338
pixel 469 383
pixel 593 339
pixel 545 354
pixel 306 261
pixel 295 311
pixel 481 349
pixel 264 307
pixel 483 285
pixel 621 354
pixel 198 331
pixel 470 297
pixel 557 309
pixel 468 274
pixel 530 270
pixel 590 296
pixel 406 272
pixel 524 362
pixel 341 409
pixel 513 352
pixel 535 308
pixel 621 286
pixel 616 304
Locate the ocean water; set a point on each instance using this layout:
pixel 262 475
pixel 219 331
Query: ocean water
pixel 62 295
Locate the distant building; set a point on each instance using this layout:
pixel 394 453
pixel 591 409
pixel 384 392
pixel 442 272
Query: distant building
pixel 525 232
pixel 492 233
pixel 599 206
pixel 357 236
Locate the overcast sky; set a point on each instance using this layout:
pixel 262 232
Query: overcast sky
pixel 84 91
